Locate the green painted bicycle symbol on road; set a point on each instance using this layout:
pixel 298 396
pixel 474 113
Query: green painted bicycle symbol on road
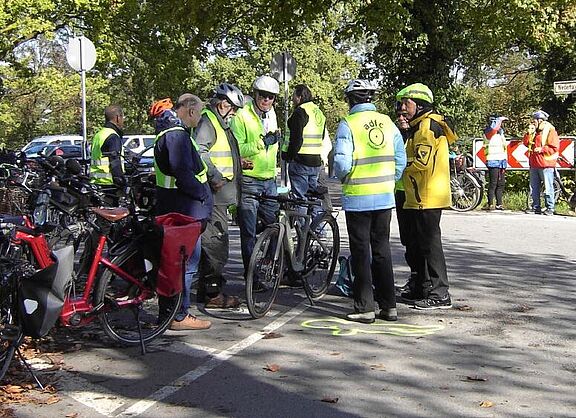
pixel 343 328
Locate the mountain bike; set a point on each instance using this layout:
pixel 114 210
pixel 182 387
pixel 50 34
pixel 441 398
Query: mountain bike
pixel 298 244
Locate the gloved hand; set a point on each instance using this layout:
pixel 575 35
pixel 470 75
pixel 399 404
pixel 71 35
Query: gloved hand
pixel 271 138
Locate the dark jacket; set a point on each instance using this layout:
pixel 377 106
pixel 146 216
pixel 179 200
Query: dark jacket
pixel 296 124
pixel 112 148
pixel 176 156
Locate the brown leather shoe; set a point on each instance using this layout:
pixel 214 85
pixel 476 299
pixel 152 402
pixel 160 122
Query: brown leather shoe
pixel 222 301
pixel 190 323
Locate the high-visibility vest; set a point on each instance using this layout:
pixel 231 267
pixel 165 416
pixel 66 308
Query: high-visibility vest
pixel 545 128
pixel 313 132
pixel 100 164
pixel 169 182
pixel 495 147
pixel 373 162
pixel 220 153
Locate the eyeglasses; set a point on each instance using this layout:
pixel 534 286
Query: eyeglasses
pixel 401 115
pixel 266 95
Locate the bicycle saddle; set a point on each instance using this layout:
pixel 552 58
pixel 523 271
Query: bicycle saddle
pixel 111 214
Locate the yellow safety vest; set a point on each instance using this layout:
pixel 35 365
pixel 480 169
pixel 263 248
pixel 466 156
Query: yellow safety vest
pixel 546 127
pixel 373 163
pixel 220 153
pixel 169 182
pixel 100 164
pixel 313 132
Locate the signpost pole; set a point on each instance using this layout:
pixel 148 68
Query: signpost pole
pixel 83 88
pixel 283 165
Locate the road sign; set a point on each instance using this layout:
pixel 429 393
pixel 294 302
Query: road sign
pixel 564 87
pixel 81 54
pixel 283 67
pixel 518 154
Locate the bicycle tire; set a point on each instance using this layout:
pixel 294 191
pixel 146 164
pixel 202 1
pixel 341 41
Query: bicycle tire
pixel 466 192
pixel 10 330
pixel 121 323
pixel 320 262
pixel 264 271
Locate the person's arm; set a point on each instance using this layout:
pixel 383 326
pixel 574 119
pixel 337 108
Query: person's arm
pixel 246 147
pixel 399 154
pixel 552 144
pixel 112 148
pixel 205 134
pixel 296 124
pixel 425 145
pixel 343 150
pixel 184 161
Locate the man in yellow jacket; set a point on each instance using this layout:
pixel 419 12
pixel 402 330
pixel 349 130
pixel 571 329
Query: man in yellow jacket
pixel 426 182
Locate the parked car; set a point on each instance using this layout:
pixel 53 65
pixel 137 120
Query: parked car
pixel 144 160
pixel 135 144
pixel 32 148
pixel 66 151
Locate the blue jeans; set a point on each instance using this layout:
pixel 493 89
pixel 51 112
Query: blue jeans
pixel 303 179
pixel 537 175
pixel 251 209
pixel 189 275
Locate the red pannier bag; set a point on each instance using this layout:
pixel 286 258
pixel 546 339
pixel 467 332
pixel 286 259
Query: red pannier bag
pixel 181 233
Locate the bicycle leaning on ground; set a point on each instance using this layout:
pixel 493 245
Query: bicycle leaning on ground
pixel 308 244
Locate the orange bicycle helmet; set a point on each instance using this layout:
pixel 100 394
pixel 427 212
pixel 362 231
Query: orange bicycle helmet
pixel 160 106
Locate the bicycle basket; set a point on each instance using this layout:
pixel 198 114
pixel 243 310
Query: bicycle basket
pixel 180 234
pixel 42 294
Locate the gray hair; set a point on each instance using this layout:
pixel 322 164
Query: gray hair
pixel 188 101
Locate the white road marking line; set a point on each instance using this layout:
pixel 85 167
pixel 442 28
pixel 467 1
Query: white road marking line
pixel 185 380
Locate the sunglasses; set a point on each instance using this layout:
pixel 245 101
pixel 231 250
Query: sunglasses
pixel 266 95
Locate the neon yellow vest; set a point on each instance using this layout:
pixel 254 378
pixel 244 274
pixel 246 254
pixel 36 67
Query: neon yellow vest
pixel 313 132
pixel 220 153
pixel 373 164
pixel 99 164
pixel 247 124
pixel 168 182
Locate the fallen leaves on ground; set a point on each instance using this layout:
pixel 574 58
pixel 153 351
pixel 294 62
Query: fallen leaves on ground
pixel 522 308
pixel 270 335
pixel 486 404
pixel 329 399
pixel 463 307
pixel 335 353
pixel 379 366
pixel 476 378
pixel 272 368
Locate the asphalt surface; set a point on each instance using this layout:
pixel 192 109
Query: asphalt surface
pixel 506 349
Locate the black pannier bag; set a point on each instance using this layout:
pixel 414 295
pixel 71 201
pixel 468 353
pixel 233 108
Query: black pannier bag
pixel 42 294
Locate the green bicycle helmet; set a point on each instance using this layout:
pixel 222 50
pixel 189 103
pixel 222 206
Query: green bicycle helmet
pixel 416 91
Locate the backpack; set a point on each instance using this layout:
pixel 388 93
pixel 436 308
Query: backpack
pixel 345 276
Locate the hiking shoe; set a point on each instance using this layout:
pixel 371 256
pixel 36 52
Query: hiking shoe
pixel 548 212
pixel 222 301
pixel 429 304
pixel 362 317
pixel 388 314
pixel 190 322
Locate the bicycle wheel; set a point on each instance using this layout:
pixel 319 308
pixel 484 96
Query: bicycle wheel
pixel 10 330
pixel 129 308
pixel 264 271
pixel 466 194
pixel 321 254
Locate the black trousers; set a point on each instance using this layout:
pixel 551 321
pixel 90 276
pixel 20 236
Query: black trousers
pixel 426 239
pixel 405 226
pixel 496 184
pixel 369 237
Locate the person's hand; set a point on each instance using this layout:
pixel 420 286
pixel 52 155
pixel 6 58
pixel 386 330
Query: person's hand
pixel 537 150
pixel 246 164
pixel 218 185
pixel 531 128
pixel 271 138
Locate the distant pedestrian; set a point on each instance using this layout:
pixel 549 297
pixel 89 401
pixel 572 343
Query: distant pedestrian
pixel 542 142
pixel 495 149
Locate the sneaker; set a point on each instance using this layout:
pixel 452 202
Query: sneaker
pixel 362 317
pixel 409 297
pixel 222 301
pixel 429 304
pixel 190 322
pixel 548 212
pixel 388 314
pixel 499 207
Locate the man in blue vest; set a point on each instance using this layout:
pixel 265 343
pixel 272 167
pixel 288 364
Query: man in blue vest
pixel 181 181
pixel 369 158
pixel 219 150
pixel 106 165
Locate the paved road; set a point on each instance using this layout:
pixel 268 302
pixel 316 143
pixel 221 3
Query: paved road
pixel 506 349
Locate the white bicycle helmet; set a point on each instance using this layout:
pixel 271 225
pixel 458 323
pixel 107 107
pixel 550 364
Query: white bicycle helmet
pixel 359 90
pixel 231 93
pixel 540 114
pixel 266 83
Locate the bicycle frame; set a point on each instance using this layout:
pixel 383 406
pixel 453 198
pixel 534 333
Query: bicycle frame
pixel 77 310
